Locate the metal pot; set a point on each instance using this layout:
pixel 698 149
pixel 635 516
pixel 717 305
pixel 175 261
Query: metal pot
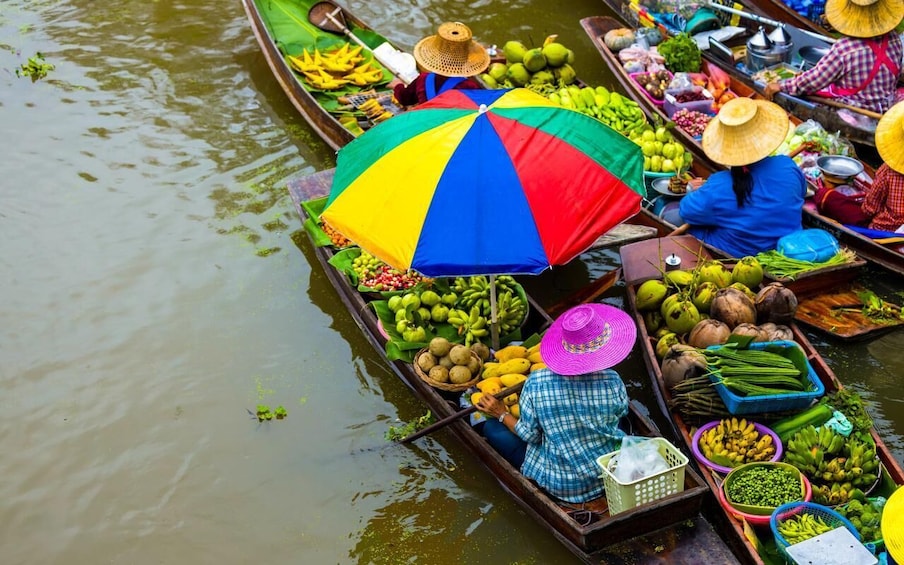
pixel 767 50
pixel 757 61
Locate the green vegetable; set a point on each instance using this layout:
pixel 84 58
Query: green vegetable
pixel 780 266
pixel 395 433
pixel 816 415
pixel 681 54
pixel 35 68
pixel 764 486
pixel 849 403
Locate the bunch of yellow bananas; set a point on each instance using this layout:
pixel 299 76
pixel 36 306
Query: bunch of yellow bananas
pixel 374 110
pixel 733 442
pixel 336 68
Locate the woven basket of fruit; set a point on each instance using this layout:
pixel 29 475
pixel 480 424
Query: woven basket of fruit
pixel 448 366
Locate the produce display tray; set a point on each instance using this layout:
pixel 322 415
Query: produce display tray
pixel 738 405
pixel 384 98
pixel 838 313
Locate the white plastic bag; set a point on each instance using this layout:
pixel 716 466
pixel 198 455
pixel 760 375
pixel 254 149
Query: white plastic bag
pixel 638 459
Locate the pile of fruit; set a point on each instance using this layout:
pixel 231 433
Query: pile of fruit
pixel 839 467
pixel 336 238
pixel 336 68
pixel 474 292
pixel 374 274
pixel 734 442
pixel 866 516
pixel 662 153
pixel 542 69
pixel 415 312
pixel 445 362
pixel 512 364
pixel 654 83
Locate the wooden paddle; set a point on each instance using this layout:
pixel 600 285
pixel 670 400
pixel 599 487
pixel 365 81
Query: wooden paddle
pixel 837 104
pixel 458 415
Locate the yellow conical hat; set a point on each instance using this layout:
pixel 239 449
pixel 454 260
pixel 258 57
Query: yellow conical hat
pixel 890 137
pixel 864 18
pixel 745 131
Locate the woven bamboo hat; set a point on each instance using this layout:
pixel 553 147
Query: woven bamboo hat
pixel 893 525
pixel 744 131
pixel 452 52
pixel 890 137
pixel 864 18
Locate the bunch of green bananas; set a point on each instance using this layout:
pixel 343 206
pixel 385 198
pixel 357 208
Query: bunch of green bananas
pixel 469 324
pixel 838 467
pixel 802 527
pixel 475 292
pixel 616 111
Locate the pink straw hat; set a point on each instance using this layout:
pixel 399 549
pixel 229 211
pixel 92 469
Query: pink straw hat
pixel 589 337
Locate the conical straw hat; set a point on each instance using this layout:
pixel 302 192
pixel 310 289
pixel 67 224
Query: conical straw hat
pixel 452 52
pixel 744 131
pixel 864 18
pixel 890 137
pixel 893 525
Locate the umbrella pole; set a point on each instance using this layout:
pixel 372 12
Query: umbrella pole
pixel 494 321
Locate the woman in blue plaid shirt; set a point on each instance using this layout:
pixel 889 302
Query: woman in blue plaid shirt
pixel 571 410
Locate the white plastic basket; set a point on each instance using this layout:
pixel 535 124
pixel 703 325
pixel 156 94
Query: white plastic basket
pixel 624 496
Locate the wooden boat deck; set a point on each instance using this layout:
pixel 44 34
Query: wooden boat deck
pixel 750 537
pixel 671 529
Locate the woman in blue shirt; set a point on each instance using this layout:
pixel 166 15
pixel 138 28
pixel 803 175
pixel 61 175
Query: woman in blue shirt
pixel 746 209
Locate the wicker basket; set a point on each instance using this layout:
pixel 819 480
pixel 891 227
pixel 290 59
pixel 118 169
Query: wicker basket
pixel 447 386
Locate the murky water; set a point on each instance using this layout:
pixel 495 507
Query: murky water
pixel 157 288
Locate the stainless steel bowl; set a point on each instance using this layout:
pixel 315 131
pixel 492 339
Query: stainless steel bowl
pixel 839 166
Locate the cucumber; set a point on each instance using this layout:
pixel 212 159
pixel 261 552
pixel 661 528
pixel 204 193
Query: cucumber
pixel 816 415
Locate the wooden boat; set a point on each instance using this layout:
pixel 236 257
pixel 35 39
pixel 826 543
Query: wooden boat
pixel 635 268
pixel 854 124
pixel 311 104
pixel 673 525
pixel 888 256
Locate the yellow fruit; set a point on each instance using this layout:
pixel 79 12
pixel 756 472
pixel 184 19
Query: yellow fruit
pixel 534 357
pixel 516 365
pixel 475 398
pixel 491 370
pixel 491 385
pixel 511 399
pixel 511 352
pixel 515 410
pixel 511 379
pixel 537 367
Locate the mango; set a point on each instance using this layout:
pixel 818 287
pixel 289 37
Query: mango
pixel 491 385
pixel 535 357
pixel 515 410
pixel 511 352
pixel 537 367
pixel 490 370
pixel 475 398
pixel 510 379
pixel 517 365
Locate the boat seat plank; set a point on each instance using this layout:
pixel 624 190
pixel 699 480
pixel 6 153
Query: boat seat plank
pixel 623 234
pixel 823 311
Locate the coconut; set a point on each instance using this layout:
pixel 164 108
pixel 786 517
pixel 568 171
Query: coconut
pixel 534 60
pixel 652 321
pixel 565 73
pixel 556 54
pixel 776 303
pixel 682 316
pixel 460 354
pixel 714 272
pixel 518 74
pixel 650 294
pixel 498 71
pixel 744 288
pixel 542 77
pixel 682 362
pixel 708 332
pixel 748 271
pixel 781 333
pixel 751 330
pixel 679 278
pixel 514 51
pixel 703 295
pixel 733 307
pixel 664 343
pixel 667 303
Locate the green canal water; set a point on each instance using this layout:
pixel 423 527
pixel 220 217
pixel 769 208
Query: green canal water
pixel 157 287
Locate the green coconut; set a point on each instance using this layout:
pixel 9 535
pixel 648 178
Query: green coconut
pixel 514 51
pixel 650 294
pixel 556 54
pixel 748 271
pixel 518 74
pixel 534 60
pixel 498 71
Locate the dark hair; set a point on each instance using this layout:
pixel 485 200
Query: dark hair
pixel 741 184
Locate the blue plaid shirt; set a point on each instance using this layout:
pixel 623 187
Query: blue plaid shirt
pixel 567 423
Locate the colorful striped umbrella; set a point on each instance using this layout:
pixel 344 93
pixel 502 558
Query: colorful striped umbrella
pixel 484 182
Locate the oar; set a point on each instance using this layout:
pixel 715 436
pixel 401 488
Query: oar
pixel 330 17
pixel 837 104
pixel 458 415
